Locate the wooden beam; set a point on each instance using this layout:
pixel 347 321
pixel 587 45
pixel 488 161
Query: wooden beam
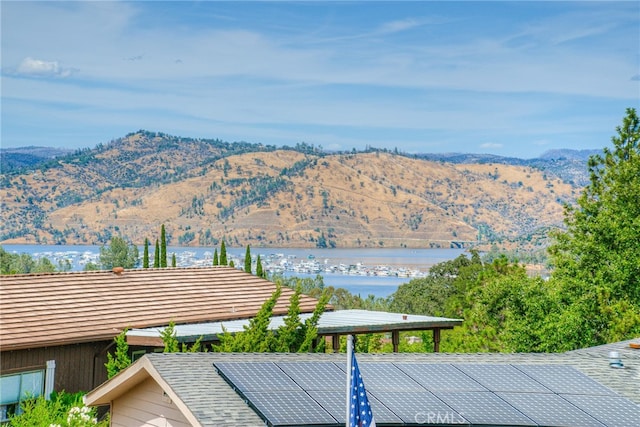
pixel 436 340
pixel 335 343
pixel 395 338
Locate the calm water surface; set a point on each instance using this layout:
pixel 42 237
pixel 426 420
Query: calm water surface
pixel 360 271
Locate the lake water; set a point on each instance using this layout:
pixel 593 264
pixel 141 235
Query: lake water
pixel 361 271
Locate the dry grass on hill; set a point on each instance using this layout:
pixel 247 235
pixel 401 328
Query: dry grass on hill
pixel 260 198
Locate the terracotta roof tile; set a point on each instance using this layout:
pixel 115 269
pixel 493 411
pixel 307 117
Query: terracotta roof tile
pixel 40 310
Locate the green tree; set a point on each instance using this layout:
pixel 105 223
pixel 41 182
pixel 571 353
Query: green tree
pixel 310 327
pixel 368 343
pixel 91 266
pixel 256 337
pixel 145 256
pixel 429 295
pixel 174 262
pixel 23 264
pixel 223 254
pixel 215 257
pixel 171 344
pixel 259 270
pixel 169 338
pixel 119 253
pixel 156 255
pixel 289 334
pixel 293 336
pixel 64 265
pixel 504 310
pixel 247 260
pixel 163 247
pixel 597 259
pixel 119 361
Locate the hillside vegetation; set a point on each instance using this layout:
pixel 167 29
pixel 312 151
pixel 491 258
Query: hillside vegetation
pixel 206 190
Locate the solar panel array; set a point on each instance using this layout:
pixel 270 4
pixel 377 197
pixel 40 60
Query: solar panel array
pixel 313 393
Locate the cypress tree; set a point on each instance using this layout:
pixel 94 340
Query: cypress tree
pixel 290 334
pixel 215 257
pixel 163 247
pixel 223 254
pixel 156 256
pixel 173 260
pixel 145 257
pixel 247 260
pixel 119 361
pixel 259 271
pixel 170 339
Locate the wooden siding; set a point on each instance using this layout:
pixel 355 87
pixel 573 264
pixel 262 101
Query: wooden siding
pixel 146 406
pixel 54 309
pixel 79 367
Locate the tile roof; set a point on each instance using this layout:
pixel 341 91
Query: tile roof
pixel 62 308
pixel 213 402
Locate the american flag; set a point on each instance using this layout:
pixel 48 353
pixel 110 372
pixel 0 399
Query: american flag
pixel 360 414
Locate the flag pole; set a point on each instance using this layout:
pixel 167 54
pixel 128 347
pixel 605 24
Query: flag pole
pixel 348 397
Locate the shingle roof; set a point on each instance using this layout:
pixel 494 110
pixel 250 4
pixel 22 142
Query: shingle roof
pixel 624 348
pixel 194 380
pixel 62 308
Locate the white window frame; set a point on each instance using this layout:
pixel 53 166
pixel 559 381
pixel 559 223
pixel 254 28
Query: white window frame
pixel 47 377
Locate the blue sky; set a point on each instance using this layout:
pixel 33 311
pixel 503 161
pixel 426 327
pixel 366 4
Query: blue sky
pixel 507 78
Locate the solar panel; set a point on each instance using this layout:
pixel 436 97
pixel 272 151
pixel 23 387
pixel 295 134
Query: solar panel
pixel 503 378
pixel 549 409
pixel 564 379
pixel 333 401
pixel 288 408
pixel 420 407
pixel 313 393
pixel 484 408
pixel 444 377
pixel 315 375
pixel 255 376
pixel 385 376
pixel 612 411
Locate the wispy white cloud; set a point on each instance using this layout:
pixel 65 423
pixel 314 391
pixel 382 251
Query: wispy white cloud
pixel 39 68
pixel 401 78
pixel 397 26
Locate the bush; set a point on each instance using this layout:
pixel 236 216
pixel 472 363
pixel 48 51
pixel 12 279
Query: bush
pixel 63 410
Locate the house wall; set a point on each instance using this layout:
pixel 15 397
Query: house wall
pixel 79 367
pixel 146 405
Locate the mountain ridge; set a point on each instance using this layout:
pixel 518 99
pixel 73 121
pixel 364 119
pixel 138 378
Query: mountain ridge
pixel 207 190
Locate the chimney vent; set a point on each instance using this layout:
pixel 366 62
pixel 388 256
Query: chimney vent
pixel 614 360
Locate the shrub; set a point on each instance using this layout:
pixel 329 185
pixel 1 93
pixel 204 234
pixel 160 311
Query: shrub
pixel 62 410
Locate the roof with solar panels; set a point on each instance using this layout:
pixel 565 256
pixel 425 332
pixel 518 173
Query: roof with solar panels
pixel 215 389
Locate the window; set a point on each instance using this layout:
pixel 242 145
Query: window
pixel 18 387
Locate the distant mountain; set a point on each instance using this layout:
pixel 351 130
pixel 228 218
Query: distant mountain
pixel 24 158
pixel 471 158
pixel 207 190
pixel 580 155
pixel 568 165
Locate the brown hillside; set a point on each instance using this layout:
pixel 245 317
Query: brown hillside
pixel 277 198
